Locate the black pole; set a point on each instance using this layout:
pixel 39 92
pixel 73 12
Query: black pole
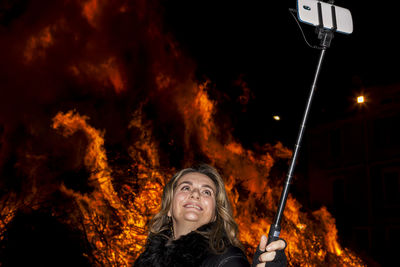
pixel 275 228
pixel 326 36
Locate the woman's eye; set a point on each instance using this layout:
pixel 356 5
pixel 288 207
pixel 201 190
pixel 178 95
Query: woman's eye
pixel 207 192
pixel 185 188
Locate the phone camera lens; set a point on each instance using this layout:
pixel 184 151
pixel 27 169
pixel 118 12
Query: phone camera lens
pixel 307 8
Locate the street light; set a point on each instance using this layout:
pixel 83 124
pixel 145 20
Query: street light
pixel 360 99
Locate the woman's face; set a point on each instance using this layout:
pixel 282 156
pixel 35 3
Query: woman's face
pixel 194 200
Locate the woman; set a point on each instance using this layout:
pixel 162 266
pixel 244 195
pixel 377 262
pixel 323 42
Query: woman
pixel 195 226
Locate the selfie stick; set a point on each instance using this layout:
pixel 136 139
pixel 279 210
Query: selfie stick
pixel 326 36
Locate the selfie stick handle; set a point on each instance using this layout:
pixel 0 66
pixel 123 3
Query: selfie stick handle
pixel 325 35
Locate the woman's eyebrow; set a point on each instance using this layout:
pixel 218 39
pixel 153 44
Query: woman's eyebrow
pixel 208 186
pixel 185 182
pixel 203 185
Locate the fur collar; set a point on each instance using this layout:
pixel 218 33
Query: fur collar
pixel 189 250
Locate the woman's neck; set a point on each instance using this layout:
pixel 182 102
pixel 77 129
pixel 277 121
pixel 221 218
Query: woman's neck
pixel 184 228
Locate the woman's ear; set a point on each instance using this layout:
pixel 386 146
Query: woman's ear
pixel 169 213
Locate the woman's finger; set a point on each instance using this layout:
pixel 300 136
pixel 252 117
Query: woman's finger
pixel 261 265
pixel 276 245
pixel 267 256
pixel 263 243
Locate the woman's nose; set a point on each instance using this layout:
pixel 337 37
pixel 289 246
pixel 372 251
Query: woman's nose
pixel 195 194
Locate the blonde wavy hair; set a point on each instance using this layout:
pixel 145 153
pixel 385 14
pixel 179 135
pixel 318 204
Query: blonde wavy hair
pixel 224 230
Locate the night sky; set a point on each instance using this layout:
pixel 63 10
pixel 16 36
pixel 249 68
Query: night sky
pixel 262 44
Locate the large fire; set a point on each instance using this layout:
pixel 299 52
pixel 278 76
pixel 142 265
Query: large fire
pixel 95 85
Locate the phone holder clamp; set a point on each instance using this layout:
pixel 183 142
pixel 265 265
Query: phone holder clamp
pixel 324 34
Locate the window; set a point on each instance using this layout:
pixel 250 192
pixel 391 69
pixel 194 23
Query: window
pixel 387 132
pixel 391 187
pixel 335 143
pixel 362 238
pixel 339 193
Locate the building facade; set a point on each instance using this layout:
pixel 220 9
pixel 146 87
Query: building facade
pixel 353 168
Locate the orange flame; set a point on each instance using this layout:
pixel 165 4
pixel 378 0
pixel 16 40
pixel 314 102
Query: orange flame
pixel 107 73
pixel 244 170
pixel 7 211
pixel 37 45
pixel 115 247
pixel 90 11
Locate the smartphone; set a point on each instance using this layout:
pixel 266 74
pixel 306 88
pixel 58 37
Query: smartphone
pixel 308 12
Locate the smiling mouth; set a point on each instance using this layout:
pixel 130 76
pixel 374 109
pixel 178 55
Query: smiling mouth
pixel 192 206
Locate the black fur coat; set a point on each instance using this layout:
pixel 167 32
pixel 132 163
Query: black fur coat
pixel 193 250
pixel 189 250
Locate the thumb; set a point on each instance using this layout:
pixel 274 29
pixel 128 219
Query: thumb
pixel 263 243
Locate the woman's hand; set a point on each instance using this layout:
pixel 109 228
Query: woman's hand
pixel 268 253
